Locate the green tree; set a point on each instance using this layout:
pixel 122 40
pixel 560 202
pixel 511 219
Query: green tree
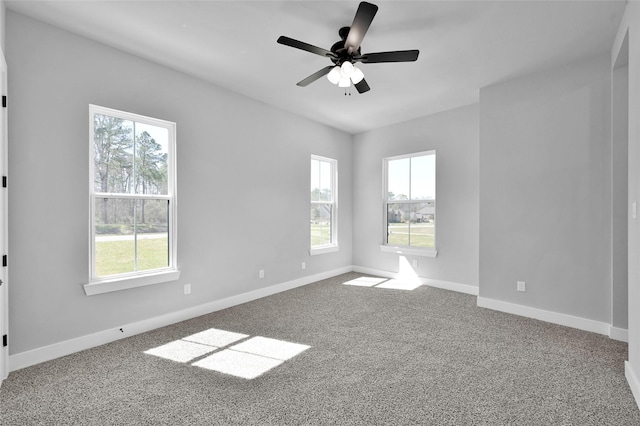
pixel 151 168
pixel 113 157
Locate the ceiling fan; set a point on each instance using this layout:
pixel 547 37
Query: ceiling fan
pixel 346 53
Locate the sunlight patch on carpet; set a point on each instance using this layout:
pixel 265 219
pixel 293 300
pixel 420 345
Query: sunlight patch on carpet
pixel 270 348
pixel 366 281
pixel 181 351
pixel 400 284
pixel 248 359
pixel 239 364
pixel 215 337
pixel 405 281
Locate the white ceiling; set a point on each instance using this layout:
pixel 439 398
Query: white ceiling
pixel 464 46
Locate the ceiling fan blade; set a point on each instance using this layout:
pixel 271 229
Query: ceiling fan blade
pixel 287 41
pixel 362 86
pixel 362 20
pixel 395 56
pixel 313 77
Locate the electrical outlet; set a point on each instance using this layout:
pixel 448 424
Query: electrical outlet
pixel 304 265
pixel 261 273
pixel 187 289
pixel 415 263
pixel 522 286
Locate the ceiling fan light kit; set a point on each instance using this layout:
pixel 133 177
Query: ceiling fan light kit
pixel 356 76
pixel 334 75
pixel 346 53
pixel 345 74
pixel 344 82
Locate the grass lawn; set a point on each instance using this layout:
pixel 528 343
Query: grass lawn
pixel 116 257
pixel 422 234
pixel 320 234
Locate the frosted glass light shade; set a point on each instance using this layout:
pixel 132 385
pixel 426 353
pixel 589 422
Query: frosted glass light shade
pixel 356 75
pixel 347 69
pixel 334 75
pixel 344 82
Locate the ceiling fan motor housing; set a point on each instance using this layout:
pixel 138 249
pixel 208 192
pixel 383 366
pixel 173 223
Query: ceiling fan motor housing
pixel 339 49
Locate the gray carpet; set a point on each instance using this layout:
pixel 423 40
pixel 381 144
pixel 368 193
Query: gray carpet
pixel 376 357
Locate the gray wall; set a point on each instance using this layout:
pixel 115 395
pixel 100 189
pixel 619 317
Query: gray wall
pixel 3 12
pixel 243 185
pixel 545 198
pixel 454 136
pixel 619 196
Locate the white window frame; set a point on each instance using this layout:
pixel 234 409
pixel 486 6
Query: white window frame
pixel 407 250
pixel 333 246
pixel 98 285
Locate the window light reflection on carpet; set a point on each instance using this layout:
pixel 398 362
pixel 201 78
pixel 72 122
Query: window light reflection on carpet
pixel 393 284
pixel 181 351
pixel 366 281
pixel 400 284
pixel 210 350
pixel 407 278
pixel 252 358
pixel 240 364
pixel 271 348
pixel 215 337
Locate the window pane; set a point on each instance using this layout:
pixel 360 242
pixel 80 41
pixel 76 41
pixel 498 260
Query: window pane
pixel 152 236
pixel 315 180
pixel 398 179
pixel 114 236
pixel 321 215
pixel 113 154
pixel 422 224
pixel 411 224
pixel 325 181
pixel 151 153
pixel 321 180
pixel 397 224
pixel 423 177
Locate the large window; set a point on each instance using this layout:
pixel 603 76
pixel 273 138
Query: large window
pixel 410 202
pixel 132 191
pixel 324 209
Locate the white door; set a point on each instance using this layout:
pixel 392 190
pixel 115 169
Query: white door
pixel 4 227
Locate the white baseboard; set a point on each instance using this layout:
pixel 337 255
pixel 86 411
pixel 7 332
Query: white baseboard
pixel 548 316
pixel 621 334
pixel 632 379
pixel 446 285
pixel 56 350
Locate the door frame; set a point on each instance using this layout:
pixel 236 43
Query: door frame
pixel 4 225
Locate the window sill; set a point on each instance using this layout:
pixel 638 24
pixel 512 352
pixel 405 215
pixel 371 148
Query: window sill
pixel 323 250
pixel 116 284
pixel 425 252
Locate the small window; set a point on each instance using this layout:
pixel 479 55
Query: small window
pixel 324 205
pixel 410 202
pixel 132 191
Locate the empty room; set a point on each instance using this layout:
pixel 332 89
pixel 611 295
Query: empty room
pixel 319 212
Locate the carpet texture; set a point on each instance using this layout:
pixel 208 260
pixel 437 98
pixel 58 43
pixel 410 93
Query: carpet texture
pixel 375 356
